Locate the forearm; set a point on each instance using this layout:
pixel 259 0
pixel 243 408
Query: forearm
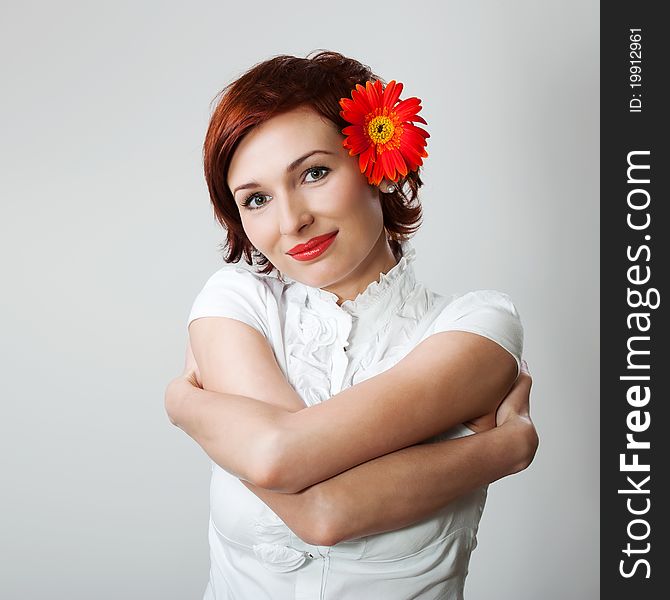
pixel 269 446
pixel 401 488
pixel 265 445
pixel 414 483
pixel 238 433
pixel 251 439
pixel 412 401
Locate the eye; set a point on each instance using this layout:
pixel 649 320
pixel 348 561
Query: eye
pixel 317 173
pixel 247 202
pixel 321 172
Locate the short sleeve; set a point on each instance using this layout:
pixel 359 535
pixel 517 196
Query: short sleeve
pixel 488 313
pixel 236 293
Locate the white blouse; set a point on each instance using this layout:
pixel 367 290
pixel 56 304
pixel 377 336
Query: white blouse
pixel 323 348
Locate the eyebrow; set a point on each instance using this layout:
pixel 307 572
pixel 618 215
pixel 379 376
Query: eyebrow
pixel 292 167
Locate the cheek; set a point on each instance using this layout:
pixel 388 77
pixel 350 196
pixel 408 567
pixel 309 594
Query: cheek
pixel 257 231
pixel 368 209
pixel 361 201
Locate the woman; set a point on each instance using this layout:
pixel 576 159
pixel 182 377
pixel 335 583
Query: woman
pixel 376 493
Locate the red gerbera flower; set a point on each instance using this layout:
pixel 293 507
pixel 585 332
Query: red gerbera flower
pixel 382 131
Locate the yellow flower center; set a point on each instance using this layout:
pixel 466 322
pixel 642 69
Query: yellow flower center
pixel 381 129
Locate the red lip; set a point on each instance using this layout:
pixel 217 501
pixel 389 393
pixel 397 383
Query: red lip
pixel 315 241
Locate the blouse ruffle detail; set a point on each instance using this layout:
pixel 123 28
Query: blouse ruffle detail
pixel 315 349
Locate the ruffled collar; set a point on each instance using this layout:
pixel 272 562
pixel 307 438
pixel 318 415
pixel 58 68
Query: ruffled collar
pixel 379 297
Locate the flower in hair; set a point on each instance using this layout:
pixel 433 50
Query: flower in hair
pixel 382 131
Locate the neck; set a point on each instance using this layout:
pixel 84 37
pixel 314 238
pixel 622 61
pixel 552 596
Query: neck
pixel 380 260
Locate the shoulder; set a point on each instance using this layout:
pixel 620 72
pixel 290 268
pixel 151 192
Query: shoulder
pixel 480 300
pixel 234 292
pixel 489 313
pixel 237 276
pixel 234 281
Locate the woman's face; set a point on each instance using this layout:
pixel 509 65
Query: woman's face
pixel 293 181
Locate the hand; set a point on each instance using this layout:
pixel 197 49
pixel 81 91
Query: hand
pixel 517 402
pixel 514 404
pixel 514 412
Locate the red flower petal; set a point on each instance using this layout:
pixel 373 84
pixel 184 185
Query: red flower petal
pixel 392 93
pixel 399 161
pixel 412 138
pixel 360 98
pixel 364 160
pixel 353 130
pixel 374 93
pixel 347 104
pixel 377 173
pixel 408 108
pixel 416 129
pixel 389 166
pixel 357 145
pixel 398 156
pixel 412 155
pixel 355 117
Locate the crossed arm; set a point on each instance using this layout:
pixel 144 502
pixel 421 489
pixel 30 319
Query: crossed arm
pixel 300 461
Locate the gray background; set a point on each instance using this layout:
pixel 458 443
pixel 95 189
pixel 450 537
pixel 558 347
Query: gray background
pixel 108 235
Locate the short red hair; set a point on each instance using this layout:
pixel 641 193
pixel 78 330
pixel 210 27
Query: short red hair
pixel 279 85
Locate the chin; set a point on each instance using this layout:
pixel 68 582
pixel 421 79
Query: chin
pixel 318 274
pixel 311 279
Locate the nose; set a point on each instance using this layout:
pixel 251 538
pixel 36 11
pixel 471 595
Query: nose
pixel 294 214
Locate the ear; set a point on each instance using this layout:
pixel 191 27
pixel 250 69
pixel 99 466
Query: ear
pixel 387 187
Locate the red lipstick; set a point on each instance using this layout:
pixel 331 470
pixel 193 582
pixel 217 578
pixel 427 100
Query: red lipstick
pixel 312 248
